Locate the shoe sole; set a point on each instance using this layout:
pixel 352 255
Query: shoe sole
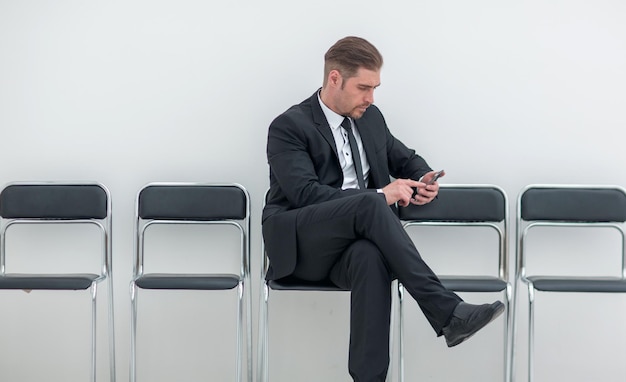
pixel 497 311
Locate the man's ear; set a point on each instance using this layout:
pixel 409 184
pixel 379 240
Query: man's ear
pixel 334 78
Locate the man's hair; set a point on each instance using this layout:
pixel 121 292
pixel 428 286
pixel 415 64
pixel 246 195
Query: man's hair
pixel 349 54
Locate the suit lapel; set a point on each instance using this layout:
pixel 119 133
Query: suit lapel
pixel 322 124
pixel 367 138
pixel 370 149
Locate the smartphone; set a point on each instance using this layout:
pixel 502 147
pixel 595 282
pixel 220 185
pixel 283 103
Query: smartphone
pixel 435 177
pixel 433 180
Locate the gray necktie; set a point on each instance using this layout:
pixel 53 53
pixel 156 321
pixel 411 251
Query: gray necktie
pixel 356 157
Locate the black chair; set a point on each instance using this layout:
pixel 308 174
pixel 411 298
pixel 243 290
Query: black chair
pixel 567 207
pixel 185 204
pixel 289 283
pixel 51 203
pixel 470 207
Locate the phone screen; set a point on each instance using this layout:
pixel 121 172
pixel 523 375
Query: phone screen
pixel 435 177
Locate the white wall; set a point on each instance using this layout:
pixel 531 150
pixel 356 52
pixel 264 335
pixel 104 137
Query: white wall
pixel 129 92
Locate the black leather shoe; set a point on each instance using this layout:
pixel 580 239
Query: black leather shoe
pixel 467 319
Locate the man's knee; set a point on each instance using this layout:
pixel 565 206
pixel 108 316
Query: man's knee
pixel 366 257
pixel 374 198
pixel 373 204
pixel 362 260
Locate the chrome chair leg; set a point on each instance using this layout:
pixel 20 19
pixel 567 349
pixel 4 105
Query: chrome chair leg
pixel 112 369
pixel 392 326
pixel 508 335
pixel 94 289
pixel 262 356
pixel 531 331
pixel 400 333
pixel 248 297
pixel 239 331
pixel 133 332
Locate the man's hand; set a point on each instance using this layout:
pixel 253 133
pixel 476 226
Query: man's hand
pixel 429 177
pixel 402 191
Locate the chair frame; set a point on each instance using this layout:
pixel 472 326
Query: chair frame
pixel 105 227
pixel 243 285
pixel 501 228
pixel 293 285
pixel 524 226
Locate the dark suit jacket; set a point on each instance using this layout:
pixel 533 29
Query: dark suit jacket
pixel 305 170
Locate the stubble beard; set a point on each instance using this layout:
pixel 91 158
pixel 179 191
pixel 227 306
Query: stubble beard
pixel 357 113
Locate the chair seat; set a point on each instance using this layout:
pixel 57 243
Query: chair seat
pixel 579 284
pixel 188 281
pixel 473 283
pixel 72 281
pixel 292 283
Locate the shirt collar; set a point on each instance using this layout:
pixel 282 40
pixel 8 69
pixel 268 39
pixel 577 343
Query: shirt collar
pixel 334 119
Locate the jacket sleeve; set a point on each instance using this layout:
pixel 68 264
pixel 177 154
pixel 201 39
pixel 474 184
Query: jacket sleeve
pixel 295 162
pixel 404 162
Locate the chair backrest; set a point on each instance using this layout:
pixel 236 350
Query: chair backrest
pixel 193 203
pixel 56 203
pixel 564 205
pixel 465 205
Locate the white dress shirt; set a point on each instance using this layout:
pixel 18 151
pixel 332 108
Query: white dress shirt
pixel 343 148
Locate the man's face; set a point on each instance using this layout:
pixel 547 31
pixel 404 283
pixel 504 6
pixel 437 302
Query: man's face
pixel 356 94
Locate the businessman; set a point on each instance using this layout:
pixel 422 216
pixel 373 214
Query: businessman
pixel 336 176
